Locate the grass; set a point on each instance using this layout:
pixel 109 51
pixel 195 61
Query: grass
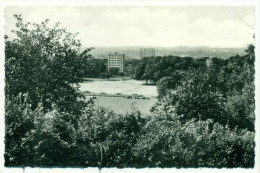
pixel 121 105
pixel 127 87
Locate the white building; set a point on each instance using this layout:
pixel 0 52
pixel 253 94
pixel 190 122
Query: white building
pixel 116 61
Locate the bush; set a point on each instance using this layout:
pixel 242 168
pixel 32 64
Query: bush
pixel 195 144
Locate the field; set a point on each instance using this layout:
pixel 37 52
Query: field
pixel 119 86
pixel 127 87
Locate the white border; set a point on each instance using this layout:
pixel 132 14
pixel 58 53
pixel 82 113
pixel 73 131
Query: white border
pixel 4 3
pixel 132 2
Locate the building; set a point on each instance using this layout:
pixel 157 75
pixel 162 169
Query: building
pixel 147 52
pixel 116 61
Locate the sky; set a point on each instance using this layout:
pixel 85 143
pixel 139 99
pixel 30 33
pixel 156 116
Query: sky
pixel 146 26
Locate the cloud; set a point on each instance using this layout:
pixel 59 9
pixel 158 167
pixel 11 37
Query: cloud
pixel 151 26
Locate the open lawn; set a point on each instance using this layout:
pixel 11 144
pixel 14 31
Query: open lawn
pixel 119 86
pixel 127 87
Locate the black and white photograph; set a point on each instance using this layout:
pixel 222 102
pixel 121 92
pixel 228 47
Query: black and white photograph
pixel 129 87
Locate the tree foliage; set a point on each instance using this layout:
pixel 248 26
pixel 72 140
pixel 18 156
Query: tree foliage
pixel 155 68
pixel 114 71
pixel 43 68
pixel 167 143
pixel 223 92
pixel 44 62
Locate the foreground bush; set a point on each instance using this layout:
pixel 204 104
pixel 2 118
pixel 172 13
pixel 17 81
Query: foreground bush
pixel 168 143
pixel 102 138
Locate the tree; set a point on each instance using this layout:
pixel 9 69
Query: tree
pixel 19 120
pixel 250 50
pixel 95 67
pixel 167 143
pixel 130 66
pixel 122 74
pixel 114 71
pixel 46 63
pixel 240 89
pixel 43 68
pixel 195 98
pixel 167 83
pixel 223 92
pixel 140 69
pixel 51 142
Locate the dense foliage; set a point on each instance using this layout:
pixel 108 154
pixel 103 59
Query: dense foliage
pixel 95 67
pixel 223 91
pixel 155 68
pixel 204 116
pixel 45 63
pixel 43 67
pixel 103 138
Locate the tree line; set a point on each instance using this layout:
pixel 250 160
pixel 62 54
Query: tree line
pixel 152 69
pixel 204 116
pixel 97 68
pixel 204 88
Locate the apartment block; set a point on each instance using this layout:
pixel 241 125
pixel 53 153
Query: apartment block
pixel 116 61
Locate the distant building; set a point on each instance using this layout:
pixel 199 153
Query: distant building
pixel 116 61
pixel 147 52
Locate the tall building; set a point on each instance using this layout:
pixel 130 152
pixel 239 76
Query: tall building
pixel 147 52
pixel 116 61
